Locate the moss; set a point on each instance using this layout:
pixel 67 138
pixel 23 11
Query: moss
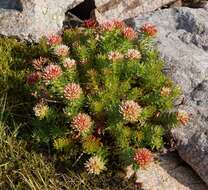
pixel 12 76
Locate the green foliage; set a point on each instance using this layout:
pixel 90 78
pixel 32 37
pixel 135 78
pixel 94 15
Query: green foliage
pixel 63 144
pixel 153 136
pixel 112 102
pixel 14 61
pixel 12 77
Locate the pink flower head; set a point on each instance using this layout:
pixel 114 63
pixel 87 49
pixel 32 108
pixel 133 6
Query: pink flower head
pixel 51 72
pixel 82 122
pixel 72 91
pixel 118 24
pixel 33 78
pixel 39 63
pixel 129 33
pixel 149 29
pixel 54 40
pixel 182 116
pixel 111 25
pixel 107 26
pixel 61 50
pixel 69 63
pixel 114 55
pixel 133 54
pixel 130 110
pixel 90 23
pixel 143 157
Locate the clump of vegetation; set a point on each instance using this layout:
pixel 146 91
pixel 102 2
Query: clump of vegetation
pixel 102 104
pixel 102 99
pixel 22 166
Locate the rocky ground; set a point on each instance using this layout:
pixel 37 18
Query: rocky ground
pixel 169 172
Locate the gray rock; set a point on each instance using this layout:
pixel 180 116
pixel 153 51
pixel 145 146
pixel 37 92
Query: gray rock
pixel 183 42
pixel 169 173
pixel 31 19
pixel 122 9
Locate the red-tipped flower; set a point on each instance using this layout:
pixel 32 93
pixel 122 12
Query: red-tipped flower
pixel 143 157
pixel 82 122
pixel 69 63
pixel 51 72
pixel 107 26
pixel 133 54
pixel 149 29
pixel 129 33
pixel 39 63
pixel 111 25
pixel 72 91
pixel 130 110
pixel 90 23
pixel 54 40
pixel 114 55
pixel 33 78
pixel 118 24
pixel 61 50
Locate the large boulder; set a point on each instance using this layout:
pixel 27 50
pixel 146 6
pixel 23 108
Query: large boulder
pixel 116 9
pixel 31 19
pixel 183 42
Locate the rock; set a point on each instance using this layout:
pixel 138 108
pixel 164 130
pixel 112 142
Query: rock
pixel 169 173
pixel 183 42
pixel 114 9
pixel 31 19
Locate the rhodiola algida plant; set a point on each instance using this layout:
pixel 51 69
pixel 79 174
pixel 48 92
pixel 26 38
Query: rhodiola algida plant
pixel 102 99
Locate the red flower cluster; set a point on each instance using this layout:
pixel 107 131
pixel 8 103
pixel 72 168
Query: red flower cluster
pixel 143 157
pixel 129 33
pixel 61 50
pixel 39 63
pixel 82 122
pixel 118 24
pixel 51 72
pixel 54 40
pixel 72 91
pixel 149 29
pixel 90 23
pixel 130 110
pixel 114 55
pixel 111 25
